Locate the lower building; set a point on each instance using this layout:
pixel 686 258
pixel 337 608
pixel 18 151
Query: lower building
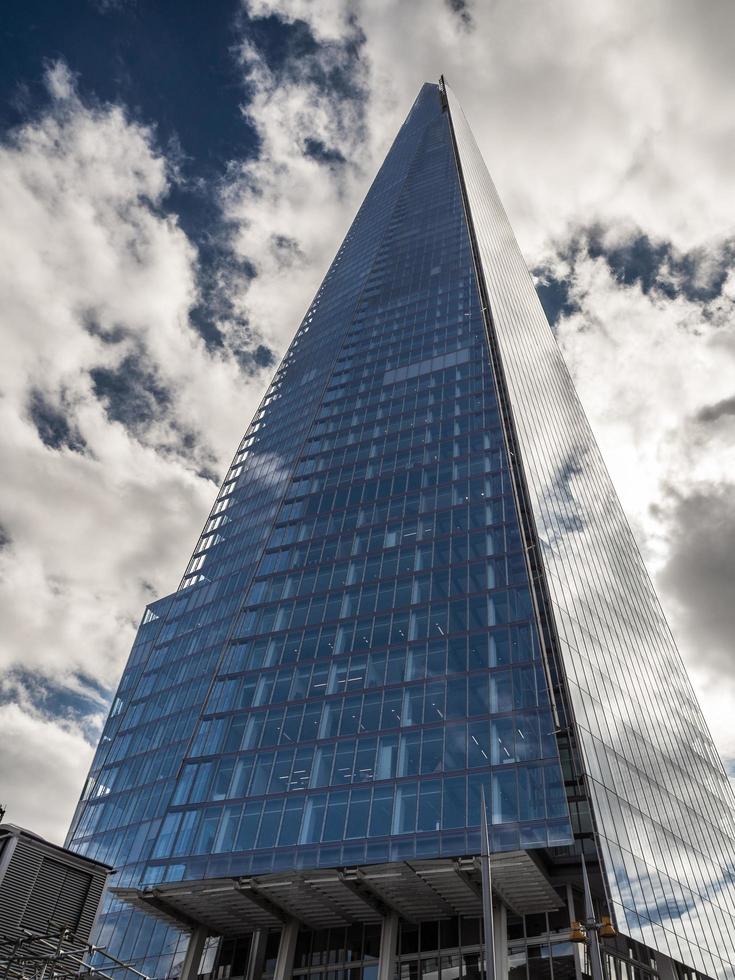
pixel 49 900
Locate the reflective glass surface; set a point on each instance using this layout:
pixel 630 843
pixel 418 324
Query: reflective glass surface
pixel 355 650
pixel 352 653
pixel 662 803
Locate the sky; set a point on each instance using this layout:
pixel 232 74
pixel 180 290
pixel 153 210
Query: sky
pixel 175 178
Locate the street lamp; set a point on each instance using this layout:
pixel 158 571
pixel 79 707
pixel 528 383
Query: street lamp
pixel 590 930
pixel 582 927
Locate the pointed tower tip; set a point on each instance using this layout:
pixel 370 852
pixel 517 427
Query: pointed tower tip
pixel 443 92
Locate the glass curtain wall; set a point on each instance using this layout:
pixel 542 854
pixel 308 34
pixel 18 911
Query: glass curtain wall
pixel 662 803
pixel 181 639
pixel 352 652
pixel 385 665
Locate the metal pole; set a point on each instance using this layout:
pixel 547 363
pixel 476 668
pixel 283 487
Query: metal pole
pixel 109 956
pixel 592 938
pixel 487 892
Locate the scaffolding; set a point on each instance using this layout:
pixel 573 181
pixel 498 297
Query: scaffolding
pixel 59 955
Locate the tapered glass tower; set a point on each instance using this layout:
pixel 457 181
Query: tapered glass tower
pixel 416 584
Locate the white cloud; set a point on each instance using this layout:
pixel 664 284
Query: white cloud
pixel 97 285
pixel 60 81
pixel 327 21
pixel 288 209
pixel 48 761
pixel 662 360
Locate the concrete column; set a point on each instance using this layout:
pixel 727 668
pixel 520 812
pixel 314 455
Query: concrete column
pixel 256 958
pixel 388 947
pixel 193 955
pixel 286 950
pixel 500 939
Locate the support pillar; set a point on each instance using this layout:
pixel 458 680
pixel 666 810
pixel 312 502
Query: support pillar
pixel 578 958
pixel 256 958
pixel 488 926
pixel 666 968
pixel 388 947
pixel 193 955
pixel 500 927
pixel 593 938
pixel 286 950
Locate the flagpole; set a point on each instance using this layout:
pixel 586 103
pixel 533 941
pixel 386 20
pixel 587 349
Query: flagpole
pixel 487 894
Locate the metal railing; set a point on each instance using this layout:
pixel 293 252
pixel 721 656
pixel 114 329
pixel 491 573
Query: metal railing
pixel 58 955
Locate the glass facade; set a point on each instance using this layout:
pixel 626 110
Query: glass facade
pixel 662 804
pixel 378 660
pixel 412 586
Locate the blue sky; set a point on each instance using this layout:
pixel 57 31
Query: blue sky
pixel 174 180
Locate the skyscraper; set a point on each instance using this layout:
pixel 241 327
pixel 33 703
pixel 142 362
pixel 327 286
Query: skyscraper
pixel 416 585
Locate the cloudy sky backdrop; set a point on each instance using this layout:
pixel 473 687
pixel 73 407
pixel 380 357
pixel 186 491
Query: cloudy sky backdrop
pixel 174 180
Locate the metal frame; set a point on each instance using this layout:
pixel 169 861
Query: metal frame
pixel 57 955
pixel 418 890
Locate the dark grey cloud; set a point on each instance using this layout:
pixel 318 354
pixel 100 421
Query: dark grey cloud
pixel 700 571
pixel 78 698
pixel 333 67
pixel 223 279
pixel 462 10
pixel 635 258
pixel 317 150
pixel 286 249
pixel 54 422
pixel 555 295
pixel 113 334
pixel 132 393
pixel 222 276
pixel 720 409
pixel 263 356
pixel 699 274
pixel 336 68
pixel 568 516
